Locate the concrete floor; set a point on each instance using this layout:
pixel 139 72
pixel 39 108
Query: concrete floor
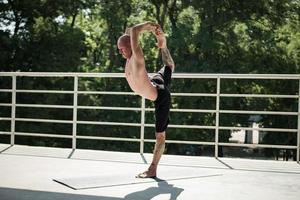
pixel 27 173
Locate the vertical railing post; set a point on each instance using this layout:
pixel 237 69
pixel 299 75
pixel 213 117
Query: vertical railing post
pixel 142 134
pixel 298 133
pixel 75 97
pixel 217 117
pixel 13 110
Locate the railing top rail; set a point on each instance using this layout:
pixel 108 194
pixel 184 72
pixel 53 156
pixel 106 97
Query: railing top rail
pixel 175 75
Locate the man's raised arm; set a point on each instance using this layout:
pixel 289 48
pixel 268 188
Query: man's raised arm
pixel 134 37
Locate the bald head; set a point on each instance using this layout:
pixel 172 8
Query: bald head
pixel 124 40
pixel 124 46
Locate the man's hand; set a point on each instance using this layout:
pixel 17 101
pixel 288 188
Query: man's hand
pixel 161 38
pixel 149 26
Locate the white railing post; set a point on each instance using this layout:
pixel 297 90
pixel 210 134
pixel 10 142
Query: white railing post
pixel 217 117
pixel 142 133
pixel 13 110
pixel 298 133
pixel 75 97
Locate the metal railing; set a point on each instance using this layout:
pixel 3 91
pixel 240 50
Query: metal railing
pixel 217 111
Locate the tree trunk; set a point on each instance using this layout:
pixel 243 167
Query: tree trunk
pixel 73 19
pixel 173 15
pixel 160 17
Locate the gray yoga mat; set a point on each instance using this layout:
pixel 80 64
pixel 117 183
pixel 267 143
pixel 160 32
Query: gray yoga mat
pixel 108 180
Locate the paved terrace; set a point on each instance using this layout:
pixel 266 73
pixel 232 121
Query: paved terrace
pixel 27 173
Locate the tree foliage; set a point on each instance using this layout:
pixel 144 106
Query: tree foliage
pixel 231 36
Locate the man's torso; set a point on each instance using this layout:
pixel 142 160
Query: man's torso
pixel 138 80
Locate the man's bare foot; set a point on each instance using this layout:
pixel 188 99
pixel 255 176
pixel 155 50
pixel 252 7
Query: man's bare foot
pixel 150 173
pixel 146 174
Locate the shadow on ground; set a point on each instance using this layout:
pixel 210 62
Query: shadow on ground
pixel 19 194
pixel 163 188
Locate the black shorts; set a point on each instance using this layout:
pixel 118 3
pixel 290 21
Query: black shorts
pixel 162 81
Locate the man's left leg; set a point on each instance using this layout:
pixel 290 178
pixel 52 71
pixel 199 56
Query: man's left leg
pixel 157 153
pixel 162 110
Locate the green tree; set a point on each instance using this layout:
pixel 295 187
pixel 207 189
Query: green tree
pixel 232 36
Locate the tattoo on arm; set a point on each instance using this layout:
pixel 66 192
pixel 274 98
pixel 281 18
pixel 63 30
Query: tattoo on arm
pixel 167 58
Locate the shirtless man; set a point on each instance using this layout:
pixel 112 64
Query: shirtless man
pixel 155 88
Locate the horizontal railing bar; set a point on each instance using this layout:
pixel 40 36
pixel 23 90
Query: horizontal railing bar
pixel 152 109
pixel 109 108
pixel 109 123
pixel 186 110
pixel 184 126
pixel 175 75
pixel 5 90
pixel 260 76
pixel 62 74
pixel 106 92
pixel 42 135
pixel 5 118
pixel 150 140
pixel 5 133
pixel 44 120
pixel 189 142
pixel 173 94
pixel 5 104
pixel 194 94
pixel 46 91
pixel 79 92
pixel 193 110
pixel 132 93
pixel 71 106
pixel 257 112
pixel 191 126
pixel 152 125
pixel 102 75
pixel 181 142
pixel 44 106
pixel 259 145
pixel 259 95
pixel 258 129
pixel 107 138
pixel 112 123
